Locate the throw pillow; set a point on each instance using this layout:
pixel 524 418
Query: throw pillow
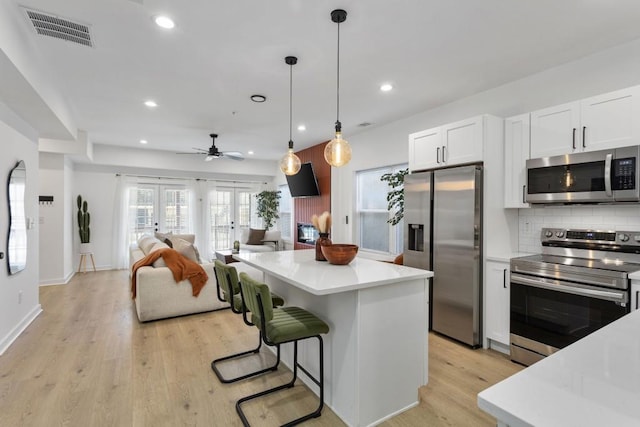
pixel 191 238
pixel 159 262
pixel 185 248
pixel 162 236
pixel 146 243
pixel 255 237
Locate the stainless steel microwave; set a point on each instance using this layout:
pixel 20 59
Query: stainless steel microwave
pixel 605 176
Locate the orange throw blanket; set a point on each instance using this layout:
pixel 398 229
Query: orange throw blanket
pixel 181 267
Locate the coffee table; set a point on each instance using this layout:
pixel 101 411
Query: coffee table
pixel 226 255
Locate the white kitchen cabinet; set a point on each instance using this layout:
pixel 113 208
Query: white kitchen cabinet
pixel 497 302
pixel 609 120
pixel 462 141
pixel 424 149
pixel 516 153
pixel 452 144
pixel 554 130
pixel 635 295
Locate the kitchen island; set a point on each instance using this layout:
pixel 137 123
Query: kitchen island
pixel 593 382
pixel 376 350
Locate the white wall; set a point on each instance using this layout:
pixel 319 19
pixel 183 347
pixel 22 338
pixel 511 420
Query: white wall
pixel 19 300
pixel 52 232
pixel 606 71
pixel 98 189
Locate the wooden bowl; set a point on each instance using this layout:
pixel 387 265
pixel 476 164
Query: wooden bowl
pixel 339 253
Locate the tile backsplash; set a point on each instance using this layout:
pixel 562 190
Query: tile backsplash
pixel 596 217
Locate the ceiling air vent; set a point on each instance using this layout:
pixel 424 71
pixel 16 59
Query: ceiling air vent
pixel 59 28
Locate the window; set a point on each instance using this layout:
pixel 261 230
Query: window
pixel 284 222
pixel 373 231
pixel 232 210
pixel 158 207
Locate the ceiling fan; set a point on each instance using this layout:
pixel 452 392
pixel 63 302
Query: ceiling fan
pixel 214 153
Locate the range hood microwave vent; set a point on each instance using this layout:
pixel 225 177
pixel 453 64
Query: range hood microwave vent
pixel 54 26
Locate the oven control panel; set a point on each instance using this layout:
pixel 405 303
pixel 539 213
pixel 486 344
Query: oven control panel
pixel 600 239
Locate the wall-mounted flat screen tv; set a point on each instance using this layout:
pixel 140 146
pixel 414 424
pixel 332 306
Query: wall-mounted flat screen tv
pixel 304 183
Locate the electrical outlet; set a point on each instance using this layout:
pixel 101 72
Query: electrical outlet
pixel 19 297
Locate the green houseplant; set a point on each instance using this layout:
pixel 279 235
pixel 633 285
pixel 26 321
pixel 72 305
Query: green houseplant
pixel 84 219
pixel 267 207
pixel 395 196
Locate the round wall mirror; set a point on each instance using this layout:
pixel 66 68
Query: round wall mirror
pixel 17 243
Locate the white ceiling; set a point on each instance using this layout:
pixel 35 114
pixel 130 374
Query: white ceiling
pixel 202 73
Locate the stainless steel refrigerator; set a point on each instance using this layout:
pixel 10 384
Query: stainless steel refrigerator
pixel 443 220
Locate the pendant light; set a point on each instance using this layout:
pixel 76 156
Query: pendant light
pixel 337 152
pixel 290 163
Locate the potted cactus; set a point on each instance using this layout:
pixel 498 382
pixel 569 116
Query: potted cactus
pixel 84 218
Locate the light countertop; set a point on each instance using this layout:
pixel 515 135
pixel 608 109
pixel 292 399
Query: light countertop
pixel 321 278
pixel 593 382
pixel 506 257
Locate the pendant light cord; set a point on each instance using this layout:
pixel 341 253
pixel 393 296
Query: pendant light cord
pixel 290 103
pixel 338 81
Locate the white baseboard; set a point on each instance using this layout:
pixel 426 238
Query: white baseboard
pixel 20 327
pixel 62 281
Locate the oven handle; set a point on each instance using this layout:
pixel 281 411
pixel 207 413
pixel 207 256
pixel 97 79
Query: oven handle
pixel 560 286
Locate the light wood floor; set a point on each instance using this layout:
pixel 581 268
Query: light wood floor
pixel 87 361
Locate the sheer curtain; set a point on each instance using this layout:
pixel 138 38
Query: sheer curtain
pixel 120 250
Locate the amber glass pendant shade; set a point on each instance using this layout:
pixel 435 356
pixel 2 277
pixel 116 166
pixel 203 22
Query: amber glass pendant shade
pixel 290 163
pixel 337 152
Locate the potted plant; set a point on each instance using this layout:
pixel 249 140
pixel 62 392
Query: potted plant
pixel 84 218
pixel 395 197
pixel 268 205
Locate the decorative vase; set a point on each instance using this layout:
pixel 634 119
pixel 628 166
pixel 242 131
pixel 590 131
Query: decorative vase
pixel 322 241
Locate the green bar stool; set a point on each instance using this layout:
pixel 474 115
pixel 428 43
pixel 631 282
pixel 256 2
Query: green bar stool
pixel 229 291
pixel 278 326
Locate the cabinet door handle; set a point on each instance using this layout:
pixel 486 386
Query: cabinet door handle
pixel 574 138
pixel 637 294
pixel 524 199
pixel 438 155
pixel 504 279
pixel 584 142
pixel 443 160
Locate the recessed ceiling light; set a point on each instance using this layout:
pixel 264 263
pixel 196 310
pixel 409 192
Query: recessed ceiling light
pixel 250 152
pixel 302 128
pixel 258 98
pixel 143 141
pixel 150 104
pixel 164 22
pixel 386 87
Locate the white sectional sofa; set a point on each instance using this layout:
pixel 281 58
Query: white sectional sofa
pixel 270 236
pixel 158 296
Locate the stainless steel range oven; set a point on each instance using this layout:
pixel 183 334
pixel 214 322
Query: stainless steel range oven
pixel 576 286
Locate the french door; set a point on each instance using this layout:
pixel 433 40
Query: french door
pixel 230 210
pixel 161 208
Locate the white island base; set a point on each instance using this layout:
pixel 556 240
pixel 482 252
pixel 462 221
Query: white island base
pixel 376 349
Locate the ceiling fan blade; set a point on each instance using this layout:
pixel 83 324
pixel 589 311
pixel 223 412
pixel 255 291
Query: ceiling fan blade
pixel 234 155
pixel 191 153
pixel 200 149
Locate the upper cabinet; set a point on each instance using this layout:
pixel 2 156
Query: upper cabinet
pixel 516 154
pixel 424 149
pixel 452 144
pixel 605 121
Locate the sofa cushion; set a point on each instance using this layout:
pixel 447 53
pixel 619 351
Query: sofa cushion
pixel 255 237
pixel 272 235
pixel 159 262
pixel 186 249
pixel 146 242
